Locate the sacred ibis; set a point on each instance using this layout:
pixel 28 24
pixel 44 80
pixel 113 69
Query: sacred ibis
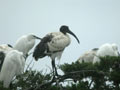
pixel 13 65
pixel 53 45
pixel 4 49
pixel 25 43
pixel 88 56
pixel 106 50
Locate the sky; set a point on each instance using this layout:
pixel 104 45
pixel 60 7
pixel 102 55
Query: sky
pixel 94 22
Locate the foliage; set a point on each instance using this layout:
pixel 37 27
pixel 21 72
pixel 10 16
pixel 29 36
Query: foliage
pixel 84 76
pixel 100 74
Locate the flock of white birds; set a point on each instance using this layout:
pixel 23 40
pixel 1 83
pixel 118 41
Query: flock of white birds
pixel 12 59
pixel 94 55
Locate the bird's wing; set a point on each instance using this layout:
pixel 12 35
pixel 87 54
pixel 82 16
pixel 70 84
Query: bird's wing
pixel 58 42
pixel 18 60
pixel 8 71
pixel 41 48
pixel 22 63
pixel 2 56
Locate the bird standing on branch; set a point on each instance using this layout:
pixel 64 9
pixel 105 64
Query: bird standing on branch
pixel 53 45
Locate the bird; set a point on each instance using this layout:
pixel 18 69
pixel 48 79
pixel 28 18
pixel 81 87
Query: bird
pixel 4 49
pixel 25 43
pixel 88 56
pixel 13 57
pixel 53 44
pixel 13 65
pixel 106 49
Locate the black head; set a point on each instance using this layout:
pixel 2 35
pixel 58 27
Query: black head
pixel 65 29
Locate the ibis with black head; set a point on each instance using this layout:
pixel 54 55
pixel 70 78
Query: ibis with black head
pixel 53 45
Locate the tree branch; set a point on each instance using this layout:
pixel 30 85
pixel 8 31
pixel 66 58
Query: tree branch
pixel 70 75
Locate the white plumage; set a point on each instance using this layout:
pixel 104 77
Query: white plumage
pixel 25 43
pixel 5 48
pixel 58 43
pixel 106 50
pixel 13 65
pixel 53 45
pixel 14 58
pixel 88 56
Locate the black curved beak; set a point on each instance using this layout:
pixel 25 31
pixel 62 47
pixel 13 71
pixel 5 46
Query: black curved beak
pixel 70 32
pixel 37 37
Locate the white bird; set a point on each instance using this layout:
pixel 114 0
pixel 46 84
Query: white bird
pixel 106 50
pixel 14 58
pixel 4 49
pixel 13 65
pixel 88 56
pixel 25 43
pixel 53 45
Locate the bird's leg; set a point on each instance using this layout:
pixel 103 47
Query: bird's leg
pixel 53 65
pixel 54 68
pixel 11 86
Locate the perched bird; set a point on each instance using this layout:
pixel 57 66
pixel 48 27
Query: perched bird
pixel 106 50
pixel 25 43
pixel 13 65
pixel 53 45
pixel 88 56
pixel 4 49
pixel 14 58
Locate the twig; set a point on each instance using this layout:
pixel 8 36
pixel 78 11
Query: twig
pixel 90 84
pixel 29 64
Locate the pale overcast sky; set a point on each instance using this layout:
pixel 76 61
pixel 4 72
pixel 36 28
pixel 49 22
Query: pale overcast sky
pixel 95 22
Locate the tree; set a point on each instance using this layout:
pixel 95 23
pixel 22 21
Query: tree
pixel 83 76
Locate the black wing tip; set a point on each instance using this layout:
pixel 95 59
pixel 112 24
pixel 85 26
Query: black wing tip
pixel 35 57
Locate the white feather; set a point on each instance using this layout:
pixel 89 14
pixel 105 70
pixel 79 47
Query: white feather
pixel 5 48
pixel 106 50
pixel 87 56
pixel 13 65
pixel 25 43
pixel 58 43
